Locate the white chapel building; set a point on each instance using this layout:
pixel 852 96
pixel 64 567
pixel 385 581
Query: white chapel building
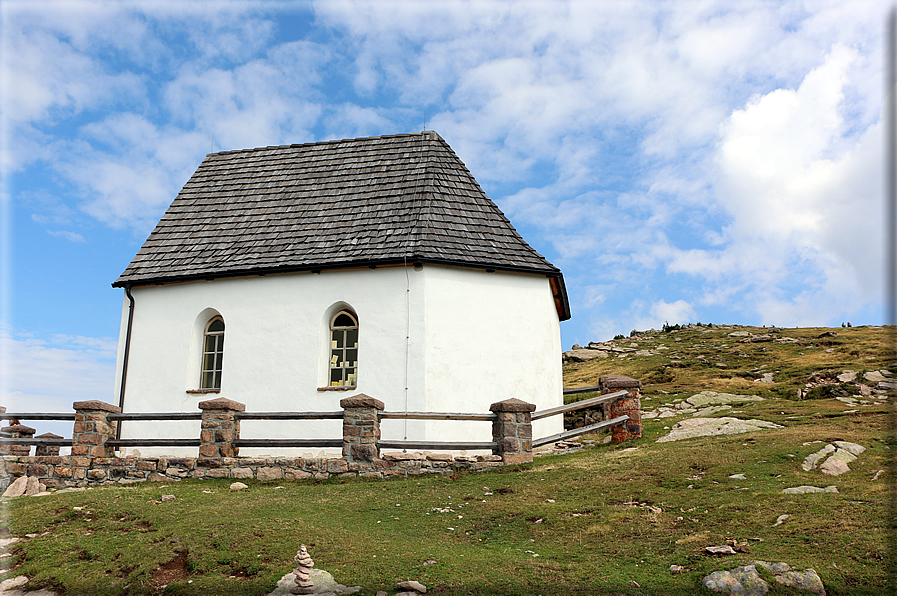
pixel 289 277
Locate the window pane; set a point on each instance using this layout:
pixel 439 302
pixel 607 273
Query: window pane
pixel 343 350
pixel 343 320
pixel 336 377
pixel 213 354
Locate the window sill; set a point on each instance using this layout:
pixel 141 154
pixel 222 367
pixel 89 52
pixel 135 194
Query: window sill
pixel 203 391
pixel 338 388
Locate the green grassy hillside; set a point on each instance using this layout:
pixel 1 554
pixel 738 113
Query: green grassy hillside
pixel 609 519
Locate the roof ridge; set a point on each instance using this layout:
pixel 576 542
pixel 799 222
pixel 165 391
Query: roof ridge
pixel 426 134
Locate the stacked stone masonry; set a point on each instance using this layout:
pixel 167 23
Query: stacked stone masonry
pixel 219 429
pixel 46 449
pixel 64 471
pixel 16 431
pixel 361 428
pixel 513 430
pixel 93 428
pixel 630 405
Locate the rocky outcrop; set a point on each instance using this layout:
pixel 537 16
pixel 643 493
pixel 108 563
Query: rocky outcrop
pixel 834 458
pixel 746 581
pixel 707 427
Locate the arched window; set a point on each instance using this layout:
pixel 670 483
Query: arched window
pixel 344 349
pixel 212 354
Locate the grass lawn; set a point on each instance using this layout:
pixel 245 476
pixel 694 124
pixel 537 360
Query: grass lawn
pixel 609 519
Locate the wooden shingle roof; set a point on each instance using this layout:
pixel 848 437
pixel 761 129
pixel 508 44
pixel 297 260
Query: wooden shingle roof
pixel 370 201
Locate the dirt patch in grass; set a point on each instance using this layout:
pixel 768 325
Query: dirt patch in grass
pixel 173 571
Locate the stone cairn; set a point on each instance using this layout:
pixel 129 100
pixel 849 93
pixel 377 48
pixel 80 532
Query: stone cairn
pixel 304 563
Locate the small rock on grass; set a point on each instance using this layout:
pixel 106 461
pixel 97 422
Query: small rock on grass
pixel 238 486
pixel 13 583
pixel 807 580
pixel 323 581
pixel 803 490
pixel 412 585
pixel 17 488
pixel 744 581
pixel 720 550
pixel 780 567
pixel 780 520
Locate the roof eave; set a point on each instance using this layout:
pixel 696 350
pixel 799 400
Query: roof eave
pixel 148 281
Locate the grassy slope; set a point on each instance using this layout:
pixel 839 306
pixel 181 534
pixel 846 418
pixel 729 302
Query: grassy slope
pixel 619 517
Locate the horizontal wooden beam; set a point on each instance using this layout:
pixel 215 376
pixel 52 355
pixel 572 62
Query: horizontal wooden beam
pixel 289 415
pixel 581 390
pixel 156 416
pixel 579 405
pixel 288 443
pixel 437 416
pixel 47 442
pixel 580 431
pixel 38 416
pixel 455 446
pixel 153 443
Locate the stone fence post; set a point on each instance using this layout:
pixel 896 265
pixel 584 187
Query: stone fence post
pixel 628 405
pixel 93 428
pixel 361 428
pixel 17 431
pixel 220 428
pixel 44 450
pixel 513 430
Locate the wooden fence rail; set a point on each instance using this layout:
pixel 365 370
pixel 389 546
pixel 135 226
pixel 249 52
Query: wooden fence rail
pixel 37 442
pixel 361 415
pixel 592 428
pixel 451 445
pixel 580 405
pixel 582 390
pixel 64 416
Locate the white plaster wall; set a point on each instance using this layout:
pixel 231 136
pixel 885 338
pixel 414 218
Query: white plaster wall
pixel 474 338
pixel 490 337
pixel 275 349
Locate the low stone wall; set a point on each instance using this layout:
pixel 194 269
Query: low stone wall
pixel 66 471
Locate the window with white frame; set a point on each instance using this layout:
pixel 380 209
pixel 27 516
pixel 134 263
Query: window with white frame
pixel 344 349
pixel 212 354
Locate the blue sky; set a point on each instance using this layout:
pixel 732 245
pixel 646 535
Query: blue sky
pixel 690 161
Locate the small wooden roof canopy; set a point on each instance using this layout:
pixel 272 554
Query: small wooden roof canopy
pixel 336 204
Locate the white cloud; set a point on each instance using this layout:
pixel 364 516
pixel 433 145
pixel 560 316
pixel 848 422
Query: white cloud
pixel 268 101
pixel 802 186
pixel 43 77
pixel 48 375
pixel 732 145
pixel 68 235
